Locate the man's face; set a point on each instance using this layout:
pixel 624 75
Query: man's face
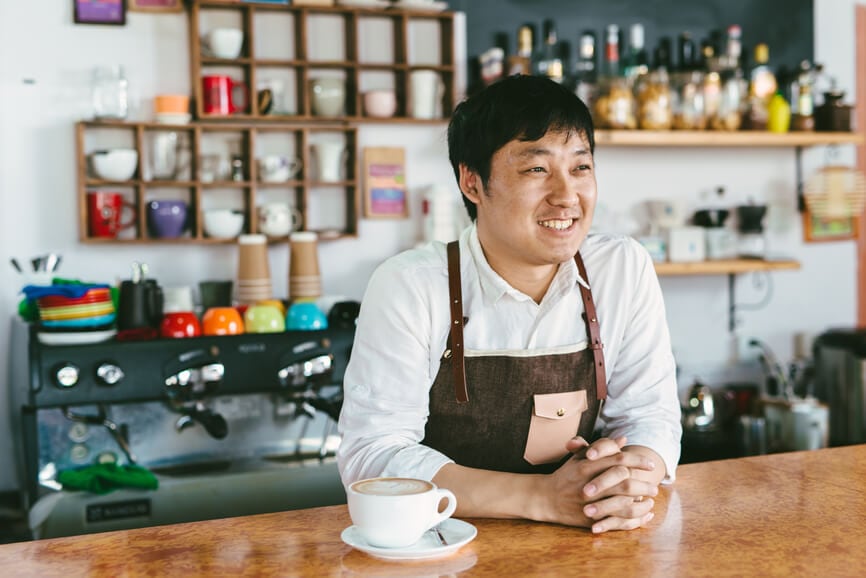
pixel 538 204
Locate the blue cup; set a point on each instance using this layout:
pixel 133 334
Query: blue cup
pixel 305 316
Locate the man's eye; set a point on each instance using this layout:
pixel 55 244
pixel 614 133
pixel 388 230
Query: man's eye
pixel 584 168
pixel 536 170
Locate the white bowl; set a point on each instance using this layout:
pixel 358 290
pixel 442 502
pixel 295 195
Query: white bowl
pixel 223 223
pixel 115 164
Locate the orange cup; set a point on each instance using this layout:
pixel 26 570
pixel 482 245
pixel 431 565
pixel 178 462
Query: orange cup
pixel 222 321
pixel 171 104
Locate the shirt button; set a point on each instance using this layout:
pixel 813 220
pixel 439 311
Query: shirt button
pixel 560 412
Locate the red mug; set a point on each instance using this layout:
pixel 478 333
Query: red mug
pixel 179 324
pixel 218 92
pixel 104 210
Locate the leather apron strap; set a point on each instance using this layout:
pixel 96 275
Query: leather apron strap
pixel 593 329
pixel 593 332
pixel 455 293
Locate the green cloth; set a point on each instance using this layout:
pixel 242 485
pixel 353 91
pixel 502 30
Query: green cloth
pixel 105 478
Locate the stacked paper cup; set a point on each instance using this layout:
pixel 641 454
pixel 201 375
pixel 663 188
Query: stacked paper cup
pixel 304 278
pixel 254 276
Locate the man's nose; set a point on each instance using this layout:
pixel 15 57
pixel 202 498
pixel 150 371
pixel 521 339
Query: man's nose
pixel 564 189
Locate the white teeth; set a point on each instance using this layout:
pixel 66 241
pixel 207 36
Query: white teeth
pixel 557 224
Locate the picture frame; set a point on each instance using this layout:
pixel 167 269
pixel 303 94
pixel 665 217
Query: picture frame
pixel 817 229
pixel 105 12
pixel 385 193
pixel 156 5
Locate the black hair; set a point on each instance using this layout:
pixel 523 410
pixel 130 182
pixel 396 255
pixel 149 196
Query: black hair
pixel 516 107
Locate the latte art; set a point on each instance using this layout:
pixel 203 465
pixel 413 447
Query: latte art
pixel 392 487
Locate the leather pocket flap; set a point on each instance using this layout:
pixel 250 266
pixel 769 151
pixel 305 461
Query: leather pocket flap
pixel 559 405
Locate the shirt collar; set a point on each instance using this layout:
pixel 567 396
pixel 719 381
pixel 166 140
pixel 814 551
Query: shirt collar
pixel 493 286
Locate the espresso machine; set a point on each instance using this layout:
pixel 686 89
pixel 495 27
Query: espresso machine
pixel 230 425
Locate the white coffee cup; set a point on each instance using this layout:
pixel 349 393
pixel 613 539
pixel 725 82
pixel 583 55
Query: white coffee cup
pixel 395 512
pixel 427 92
pixel 330 157
pixel 278 219
pixel 277 168
pixel 225 42
pixel 328 96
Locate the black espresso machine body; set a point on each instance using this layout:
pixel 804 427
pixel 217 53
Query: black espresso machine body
pixel 191 410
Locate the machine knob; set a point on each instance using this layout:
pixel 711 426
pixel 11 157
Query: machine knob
pixel 67 375
pixel 109 374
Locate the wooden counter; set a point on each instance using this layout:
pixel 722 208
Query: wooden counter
pixel 796 514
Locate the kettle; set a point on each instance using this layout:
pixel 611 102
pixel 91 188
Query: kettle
pixel 699 413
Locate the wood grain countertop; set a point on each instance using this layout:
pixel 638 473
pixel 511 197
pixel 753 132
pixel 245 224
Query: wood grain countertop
pixel 794 514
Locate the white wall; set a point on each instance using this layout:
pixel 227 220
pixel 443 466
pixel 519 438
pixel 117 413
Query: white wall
pixel 39 44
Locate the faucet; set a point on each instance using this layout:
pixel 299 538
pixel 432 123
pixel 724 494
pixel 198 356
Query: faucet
pixel 773 370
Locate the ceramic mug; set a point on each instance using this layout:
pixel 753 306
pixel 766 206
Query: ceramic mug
pixel 328 96
pixel 222 321
pixel 104 211
pixel 278 219
pixel 166 219
pixel 277 168
pixel 305 315
pixel 260 318
pixel 179 324
pixel 330 158
pixel 395 512
pixel 218 95
pixel 427 92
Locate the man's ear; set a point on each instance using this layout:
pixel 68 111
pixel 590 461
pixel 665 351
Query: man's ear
pixel 470 183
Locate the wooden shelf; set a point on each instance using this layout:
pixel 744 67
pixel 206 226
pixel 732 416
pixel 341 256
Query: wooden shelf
pixel 723 267
pixel 706 138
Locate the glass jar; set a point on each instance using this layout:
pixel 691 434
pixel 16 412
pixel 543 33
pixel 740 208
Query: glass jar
pixel 732 99
pixel 654 101
pixel 688 102
pixel 110 93
pixel 615 104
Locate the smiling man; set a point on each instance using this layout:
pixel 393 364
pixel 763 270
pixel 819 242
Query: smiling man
pixel 526 367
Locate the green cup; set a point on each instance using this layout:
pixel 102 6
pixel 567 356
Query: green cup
pixel 264 319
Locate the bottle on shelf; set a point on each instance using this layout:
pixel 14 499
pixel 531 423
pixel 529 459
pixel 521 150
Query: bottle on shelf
pixel 688 95
pixel 762 88
pixel 586 68
pixel 712 81
pixel 547 62
pixel 636 62
pixel 615 106
pixel 802 103
pixel 521 62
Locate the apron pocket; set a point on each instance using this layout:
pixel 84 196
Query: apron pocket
pixel 555 419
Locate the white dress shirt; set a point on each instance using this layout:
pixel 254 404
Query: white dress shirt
pixel 404 324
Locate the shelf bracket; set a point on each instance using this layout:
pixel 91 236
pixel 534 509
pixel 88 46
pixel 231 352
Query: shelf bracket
pixel 732 304
pixel 798 164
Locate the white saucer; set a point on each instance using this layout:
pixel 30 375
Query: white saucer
pixel 75 338
pixel 456 532
pixel 172 118
pixel 416 5
pixel 365 3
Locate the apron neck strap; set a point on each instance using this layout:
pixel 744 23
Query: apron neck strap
pixel 593 331
pixel 455 293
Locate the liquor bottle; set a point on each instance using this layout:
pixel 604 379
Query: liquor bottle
pixel 521 63
pixel 802 103
pixel 548 55
pixel 762 87
pixel 586 68
pixel 636 62
pixel 611 51
pixel 731 59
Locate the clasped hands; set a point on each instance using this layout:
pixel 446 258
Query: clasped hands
pixel 603 487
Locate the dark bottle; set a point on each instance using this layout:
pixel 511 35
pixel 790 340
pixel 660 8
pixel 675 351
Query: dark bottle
pixel 611 51
pixel 662 55
pixel 586 68
pixel 687 57
pixel 636 62
pixel 547 62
